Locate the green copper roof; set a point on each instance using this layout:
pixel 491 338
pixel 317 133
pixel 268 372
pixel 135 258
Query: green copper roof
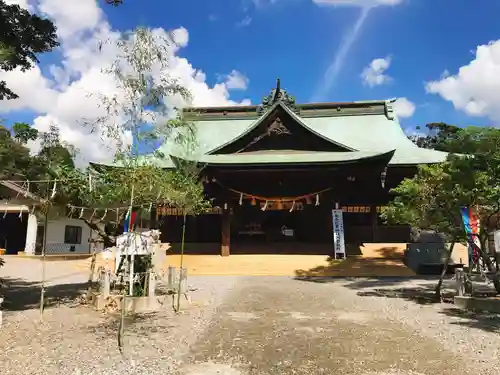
pixel 375 133
pixel 365 128
pixel 279 158
pixel 256 123
pixel 372 133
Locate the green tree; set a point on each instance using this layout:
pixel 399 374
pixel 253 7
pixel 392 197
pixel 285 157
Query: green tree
pixel 24 133
pixel 22 37
pixel 429 202
pixel 433 198
pixel 15 159
pixel 437 136
pixel 114 2
pixel 54 151
pixel 138 179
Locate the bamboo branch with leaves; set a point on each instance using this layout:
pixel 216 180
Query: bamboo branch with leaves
pixel 137 119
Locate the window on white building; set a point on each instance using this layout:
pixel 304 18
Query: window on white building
pixel 73 234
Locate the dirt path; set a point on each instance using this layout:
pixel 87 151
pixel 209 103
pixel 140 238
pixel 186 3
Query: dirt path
pixel 283 326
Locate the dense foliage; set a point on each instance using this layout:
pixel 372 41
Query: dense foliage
pixel 17 164
pixel 135 179
pixel 437 136
pixel 22 37
pixel 433 198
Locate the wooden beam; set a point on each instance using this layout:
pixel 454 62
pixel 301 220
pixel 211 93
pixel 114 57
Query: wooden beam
pixel 20 190
pixel 225 250
pixel 374 217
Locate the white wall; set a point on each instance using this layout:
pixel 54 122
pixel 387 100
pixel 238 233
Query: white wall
pixel 55 236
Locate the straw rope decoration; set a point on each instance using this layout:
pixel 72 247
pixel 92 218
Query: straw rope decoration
pixel 282 199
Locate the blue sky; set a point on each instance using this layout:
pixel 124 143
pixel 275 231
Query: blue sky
pixel 296 40
pixel 317 48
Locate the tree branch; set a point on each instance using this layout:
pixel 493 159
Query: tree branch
pixel 108 239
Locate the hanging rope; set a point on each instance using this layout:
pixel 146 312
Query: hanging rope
pixel 284 199
pixel 40 181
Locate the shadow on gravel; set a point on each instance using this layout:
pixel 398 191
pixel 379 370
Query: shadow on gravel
pixel 363 282
pixel 420 295
pixel 389 287
pixel 481 320
pixel 423 294
pixel 142 325
pixel 21 295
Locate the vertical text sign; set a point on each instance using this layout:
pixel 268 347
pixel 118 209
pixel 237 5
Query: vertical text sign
pixel 338 234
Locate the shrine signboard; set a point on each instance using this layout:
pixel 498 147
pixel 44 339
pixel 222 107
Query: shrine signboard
pixel 338 235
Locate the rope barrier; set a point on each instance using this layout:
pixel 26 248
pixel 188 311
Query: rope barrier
pixel 271 199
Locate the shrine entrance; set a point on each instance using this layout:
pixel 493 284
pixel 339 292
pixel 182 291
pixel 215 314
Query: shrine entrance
pixel 305 230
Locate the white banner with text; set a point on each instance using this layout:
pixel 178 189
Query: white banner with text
pixel 338 235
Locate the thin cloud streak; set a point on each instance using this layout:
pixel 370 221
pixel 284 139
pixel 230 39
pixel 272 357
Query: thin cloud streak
pixel 331 74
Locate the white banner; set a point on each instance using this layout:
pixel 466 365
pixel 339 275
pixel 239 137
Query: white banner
pixel 338 234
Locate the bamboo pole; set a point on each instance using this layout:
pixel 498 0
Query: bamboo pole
pixel 44 251
pixel 179 286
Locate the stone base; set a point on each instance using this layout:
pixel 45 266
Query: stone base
pixel 487 304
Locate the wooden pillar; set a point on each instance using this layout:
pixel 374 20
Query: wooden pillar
pixel 153 222
pixel 374 216
pixel 225 250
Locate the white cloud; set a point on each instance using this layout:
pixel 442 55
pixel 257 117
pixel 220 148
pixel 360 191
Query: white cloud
pixel 61 96
pixel 358 3
pixel 404 107
pixel 26 4
pixel 71 20
pixel 474 88
pixel 247 20
pixel 374 73
pixel 34 90
pixel 236 81
pixel 350 37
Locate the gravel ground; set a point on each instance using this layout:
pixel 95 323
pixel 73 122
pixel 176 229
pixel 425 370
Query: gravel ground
pixel 76 339
pixel 256 326
pixel 475 337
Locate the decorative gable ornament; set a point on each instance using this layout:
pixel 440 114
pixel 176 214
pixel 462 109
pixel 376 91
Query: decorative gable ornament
pixel 277 95
pixel 389 109
pixel 278 128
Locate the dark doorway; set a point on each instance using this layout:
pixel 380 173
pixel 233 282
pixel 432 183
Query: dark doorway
pixel 13 232
pixel 305 231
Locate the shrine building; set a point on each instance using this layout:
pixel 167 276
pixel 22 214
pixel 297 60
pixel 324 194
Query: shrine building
pixel 276 171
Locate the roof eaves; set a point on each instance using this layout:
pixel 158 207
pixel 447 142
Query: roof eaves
pixel 21 190
pixel 238 160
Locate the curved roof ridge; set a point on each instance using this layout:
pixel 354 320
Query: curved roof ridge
pixel 265 115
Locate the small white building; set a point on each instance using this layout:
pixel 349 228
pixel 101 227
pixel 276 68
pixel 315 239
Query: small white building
pixel 22 226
